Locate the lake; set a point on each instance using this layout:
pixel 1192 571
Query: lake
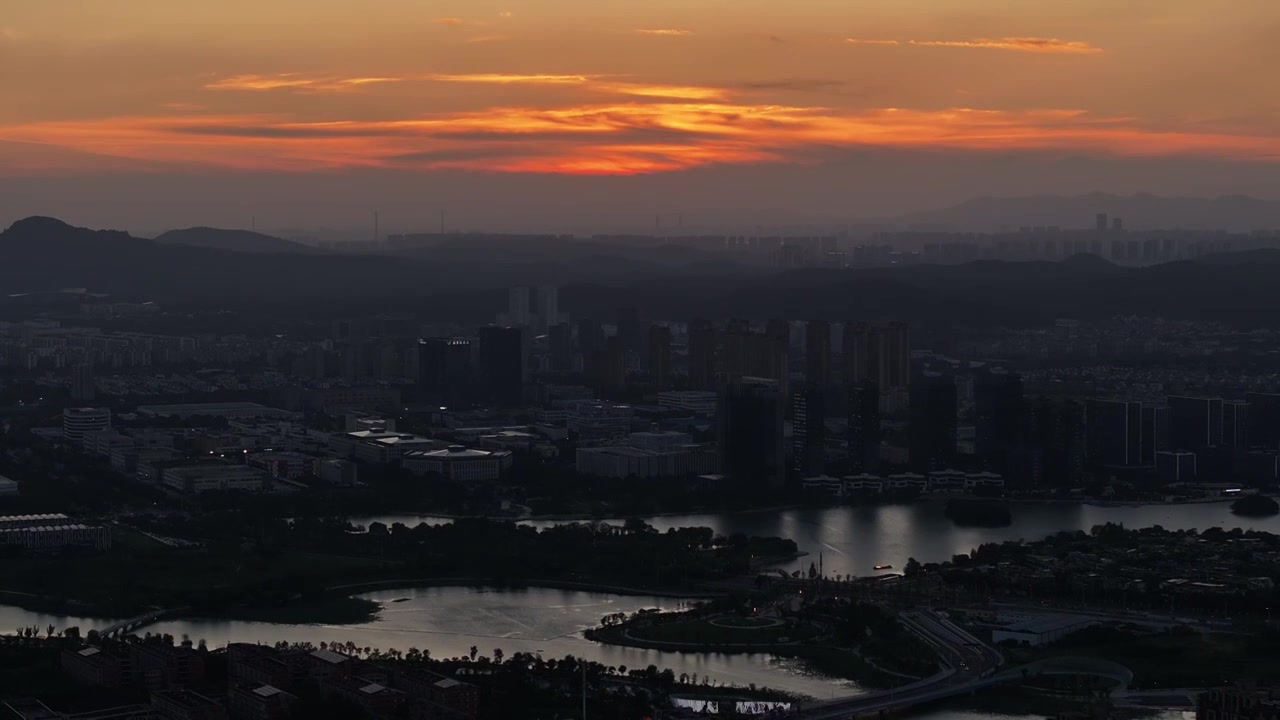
pixel 852 540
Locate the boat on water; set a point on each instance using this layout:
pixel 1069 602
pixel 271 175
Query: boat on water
pixel 883 567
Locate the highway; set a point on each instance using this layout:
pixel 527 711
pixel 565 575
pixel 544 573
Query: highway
pixel 967 664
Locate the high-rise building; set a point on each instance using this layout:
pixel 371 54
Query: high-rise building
pixel 590 336
pixel 857 343
pixel 1194 423
pixel 998 417
pixel 1264 420
pixel 560 347
pixel 1235 425
pixel 78 422
pixel 808 431
pixel 83 384
pixel 702 354
pixel 548 308
pixel 607 369
pixel 445 372
pixel 750 434
pixel 632 331
pixel 519 307
pixel 817 356
pixel 864 427
pixel 1056 441
pixel 1114 433
pixel 1100 222
pixel 501 363
pixel 660 355
pixel 933 421
pixel 1155 433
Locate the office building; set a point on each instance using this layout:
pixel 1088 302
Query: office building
pixel 560 348
pixel 501 363
pixel 77 422
pixel 458 464
pixel 215 476
pixel 548 308
pixel 1114 433
pixel 864 427
pixel 817 356
pixel 445 373
pixel 632 331
pixel 697 402
pixel 808 431
pixel 519 308
pixel 933 421
pixel 1195 423
pixel 1176 466
pixel 702 354
pixel 1264 420
pixel 1100 222
pixel 590 337
pixel 660 355
pixel 750 434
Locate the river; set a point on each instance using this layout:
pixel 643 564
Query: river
pixel 852 540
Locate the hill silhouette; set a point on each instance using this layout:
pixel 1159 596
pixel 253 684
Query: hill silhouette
pixel 244 241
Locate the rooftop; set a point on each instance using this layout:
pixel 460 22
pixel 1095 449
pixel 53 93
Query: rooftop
pixel 330 656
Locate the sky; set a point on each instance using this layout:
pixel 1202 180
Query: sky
pixel 574 115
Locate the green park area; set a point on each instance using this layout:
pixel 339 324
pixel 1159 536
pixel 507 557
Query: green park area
pixel 727 630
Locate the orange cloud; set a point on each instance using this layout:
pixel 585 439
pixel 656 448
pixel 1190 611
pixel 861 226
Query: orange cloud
pixel 513 79
pixel 614 138
pixel 295 81
pixel 664 32
pixel 449 21
pixel 1021 44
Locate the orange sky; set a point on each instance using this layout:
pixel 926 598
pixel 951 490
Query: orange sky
pixel 625 86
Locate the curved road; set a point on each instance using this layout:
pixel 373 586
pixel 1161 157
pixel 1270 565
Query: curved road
pixel 967 664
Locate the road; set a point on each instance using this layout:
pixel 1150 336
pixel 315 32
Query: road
pixel 967 664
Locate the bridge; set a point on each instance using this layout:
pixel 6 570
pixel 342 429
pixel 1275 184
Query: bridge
pixel 124 627
pixel 968 665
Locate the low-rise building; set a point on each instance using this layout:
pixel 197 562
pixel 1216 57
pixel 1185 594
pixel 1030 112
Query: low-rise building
pixel 213 476
pixel 698 402
pixel 459 464
pixel 77 422
pixel 186 705
pixel 1040 630
pixel 51 532
pixel 263 702
pixel 95 667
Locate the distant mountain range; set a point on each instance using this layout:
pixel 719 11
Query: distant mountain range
pixel 1233 213
pixel 244 241
pixel 469 281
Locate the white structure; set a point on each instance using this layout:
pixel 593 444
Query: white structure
pixel 8 488
pixel 208 477
pixel 51 531
pixel 698 402
pixel 77 422
pixel 984 479
pixel 458 463
pixel 948 481
pixel 1040 630
pixel 103 442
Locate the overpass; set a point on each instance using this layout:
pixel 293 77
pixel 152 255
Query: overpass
pixel 968 665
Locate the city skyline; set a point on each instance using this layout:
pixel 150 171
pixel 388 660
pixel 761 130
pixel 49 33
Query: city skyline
pixel 514 113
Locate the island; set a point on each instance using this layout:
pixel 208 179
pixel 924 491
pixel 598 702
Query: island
pixel 1255 506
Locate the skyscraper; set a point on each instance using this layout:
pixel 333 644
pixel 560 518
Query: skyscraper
pixel 808 431
pixel 750 434
pixel 864 427
pixel 633 332
pixel 817 339
pixel 1113 431
pixel 445 370
pixel 857 343
pixel 548 308
pixel 998 417
pixel 519 307
pixel 501 362
pixel 933 421
pixel 1264 420
pixel 1194 423
pixel 1235 425
pixel 702 354
pixel 560 347
pixel 1155 433
pixel 660 355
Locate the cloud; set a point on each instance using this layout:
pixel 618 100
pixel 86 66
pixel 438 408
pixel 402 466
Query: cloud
pixel 617 137
pixel 449 21
pixel 513 79
pixel 664 32
pixel 296 82
pixel 1019 44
